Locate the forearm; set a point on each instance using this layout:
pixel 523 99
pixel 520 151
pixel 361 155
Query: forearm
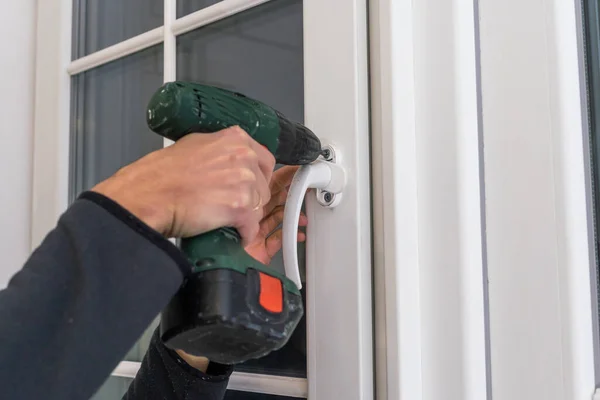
pixel 80 302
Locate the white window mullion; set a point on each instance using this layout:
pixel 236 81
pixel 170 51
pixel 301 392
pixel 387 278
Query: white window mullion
pixel 170 47
pixel 119 50
pixel 170 41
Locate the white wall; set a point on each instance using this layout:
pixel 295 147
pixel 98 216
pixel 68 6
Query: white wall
pixel 17 54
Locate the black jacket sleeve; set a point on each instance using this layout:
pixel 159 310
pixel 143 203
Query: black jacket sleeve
pixel 82 300
pixel 164 375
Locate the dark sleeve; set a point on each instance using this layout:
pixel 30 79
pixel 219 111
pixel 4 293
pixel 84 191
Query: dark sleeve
pixel 82 300
pixel 164 375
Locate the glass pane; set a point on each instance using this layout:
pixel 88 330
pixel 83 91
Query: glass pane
pixel 259 53
pixel 113 389
pixel 235 395
pixel 109 131
pixel 592 33
pixel 101 23
pixel 109 117
pixel 185 7
pixel 137 352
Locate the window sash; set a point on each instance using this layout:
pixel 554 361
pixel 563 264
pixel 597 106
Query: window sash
pixel 340 342
pixel 507 79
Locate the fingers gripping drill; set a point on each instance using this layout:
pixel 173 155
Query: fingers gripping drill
pixel 232 308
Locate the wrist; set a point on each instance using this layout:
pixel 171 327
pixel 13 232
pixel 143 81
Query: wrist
pixel 136 202
pixel 199 363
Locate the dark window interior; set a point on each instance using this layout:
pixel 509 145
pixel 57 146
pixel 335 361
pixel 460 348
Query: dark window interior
pixel 591 21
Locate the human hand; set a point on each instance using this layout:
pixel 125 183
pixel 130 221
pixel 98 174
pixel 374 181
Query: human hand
pixel 200 183
pixel 267 242
pixel 198 362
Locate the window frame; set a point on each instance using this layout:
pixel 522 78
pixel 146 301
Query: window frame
pixel 430 261
pixel 339 343
pixel 497 51
pixel 492 359
pixel 542 319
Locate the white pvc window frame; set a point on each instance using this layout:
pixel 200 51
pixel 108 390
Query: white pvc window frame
pixel 540 234
pixel 484 242
pixel 338 259
pixel 430 268
pixel 479 136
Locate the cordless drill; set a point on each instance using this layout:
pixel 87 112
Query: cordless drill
pixel 232 308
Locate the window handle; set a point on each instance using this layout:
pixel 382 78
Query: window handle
pixel 329 178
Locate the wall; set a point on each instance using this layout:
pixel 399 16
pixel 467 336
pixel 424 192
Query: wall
pixel 17 53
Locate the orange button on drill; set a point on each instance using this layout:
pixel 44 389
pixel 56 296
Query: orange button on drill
pixel 271 293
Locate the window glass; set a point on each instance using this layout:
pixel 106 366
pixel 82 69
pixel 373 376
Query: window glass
pixel 98 24
pixel 116 387
pixel 109 131
pixel 109 117
pixel 592 34
pixel 259 53
pixel 137 352
pixel 185 7
pixel 113 389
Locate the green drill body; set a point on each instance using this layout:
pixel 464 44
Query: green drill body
pixel 179 108
pixel 219 312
